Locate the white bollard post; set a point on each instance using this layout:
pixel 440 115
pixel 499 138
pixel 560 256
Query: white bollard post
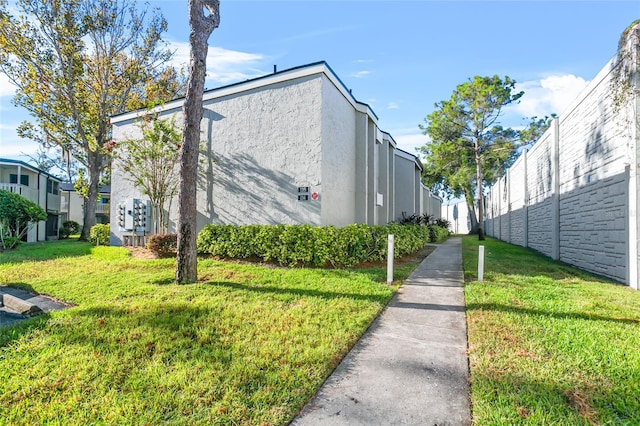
pixel 480 263
pixel 390 242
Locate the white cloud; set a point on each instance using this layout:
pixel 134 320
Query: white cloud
pixel 12 146
pixel 393 105
pixel 410 142
pixel 223 65
pixel 360 74
pixel 6 87
pixel 549 95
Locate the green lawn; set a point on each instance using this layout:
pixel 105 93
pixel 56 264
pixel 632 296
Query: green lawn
pixel 549 344
pixel 247 345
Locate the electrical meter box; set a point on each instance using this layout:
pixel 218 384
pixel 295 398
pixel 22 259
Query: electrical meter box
pixel 132 215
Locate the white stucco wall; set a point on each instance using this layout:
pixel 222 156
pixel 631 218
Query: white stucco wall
pixel 264 145
pixel 338 159
pixel 75 204
pixel 258 148
pixel 405 185
pixel 265 138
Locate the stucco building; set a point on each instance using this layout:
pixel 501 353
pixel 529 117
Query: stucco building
pixel 37 186
pixel 72 204
pixel 290 147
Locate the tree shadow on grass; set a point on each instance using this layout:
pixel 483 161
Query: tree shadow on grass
pixel 510 397
pixel 13 331
pixel 302 292
pixel 536 312
pixel 164 281
pixel 513 259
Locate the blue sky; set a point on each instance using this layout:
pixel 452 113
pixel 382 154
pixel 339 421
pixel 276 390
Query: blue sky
pixel 400 57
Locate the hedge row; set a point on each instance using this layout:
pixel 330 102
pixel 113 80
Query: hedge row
pixel 306 245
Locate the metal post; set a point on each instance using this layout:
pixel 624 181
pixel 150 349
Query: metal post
pixel 390 242
pixel 480 263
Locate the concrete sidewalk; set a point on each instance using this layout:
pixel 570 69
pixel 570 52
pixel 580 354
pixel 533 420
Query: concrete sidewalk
pixel 410 367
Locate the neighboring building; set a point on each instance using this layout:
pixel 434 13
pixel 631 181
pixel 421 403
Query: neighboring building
pixel 37 186
pixel 291 147
pixel 458 216
pixel 72 207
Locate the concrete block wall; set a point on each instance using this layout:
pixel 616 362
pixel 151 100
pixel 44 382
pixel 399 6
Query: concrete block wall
pixel 516 189
pixel 539 189
pixel 569 196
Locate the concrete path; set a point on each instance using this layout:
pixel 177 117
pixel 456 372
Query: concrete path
pixel 410 367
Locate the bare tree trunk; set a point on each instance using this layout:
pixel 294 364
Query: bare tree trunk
pixel 471 209
pixel 90 203
pixel 201 26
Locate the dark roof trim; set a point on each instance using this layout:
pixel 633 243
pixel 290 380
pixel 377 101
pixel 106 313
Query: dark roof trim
pixel 29 166
pixel 416 158
pixel 313 64
pixel 68 187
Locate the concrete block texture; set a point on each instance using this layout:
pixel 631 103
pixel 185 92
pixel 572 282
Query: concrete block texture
pixel 571 196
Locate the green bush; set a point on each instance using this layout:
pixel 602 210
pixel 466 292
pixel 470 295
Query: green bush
pixel 9 243
pixel 17 216
pixel 306 245
pixel 69 227
pixel 437 233
pixel 163 245
pixel 99 235
pixel 443 223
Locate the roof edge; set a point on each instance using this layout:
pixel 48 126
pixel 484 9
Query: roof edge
pixel 262 81
pixel 29 166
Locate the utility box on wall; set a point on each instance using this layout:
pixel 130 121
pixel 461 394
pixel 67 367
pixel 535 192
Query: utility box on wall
pixel 132 215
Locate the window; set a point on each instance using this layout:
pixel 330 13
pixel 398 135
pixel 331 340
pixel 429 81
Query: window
pixel 24 179
pixel 52 187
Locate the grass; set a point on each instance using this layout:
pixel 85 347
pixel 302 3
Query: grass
pixel 549 344
pixel 248 344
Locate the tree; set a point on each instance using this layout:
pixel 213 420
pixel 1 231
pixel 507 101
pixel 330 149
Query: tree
pixel 201 26
pixel 150 162
pixel 535 129
pixel 17 216
pixel 468 147
pixel 77 62
pixel 626 67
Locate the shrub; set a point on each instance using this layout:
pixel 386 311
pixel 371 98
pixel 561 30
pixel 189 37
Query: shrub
pixel 99 235
pixel 9 243
pixel 163 245
pixel 69 227
pixel 308 245
pixel 443 223
pixel 416 219
pixel 437 233
pixel 17 216
pixel 413 219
